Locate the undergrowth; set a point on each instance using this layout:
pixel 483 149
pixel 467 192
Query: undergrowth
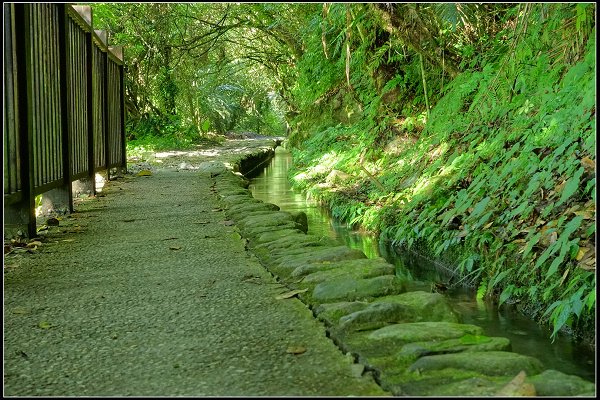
pixel 500 172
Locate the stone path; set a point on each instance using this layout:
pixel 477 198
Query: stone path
pixel 149 291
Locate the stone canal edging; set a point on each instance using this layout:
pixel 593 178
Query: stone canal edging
pixel 411 339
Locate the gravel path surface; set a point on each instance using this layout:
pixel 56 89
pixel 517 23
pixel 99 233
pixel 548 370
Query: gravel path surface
pixel 148 291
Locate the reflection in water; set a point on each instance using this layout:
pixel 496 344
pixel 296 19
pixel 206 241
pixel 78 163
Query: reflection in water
pixel 526 336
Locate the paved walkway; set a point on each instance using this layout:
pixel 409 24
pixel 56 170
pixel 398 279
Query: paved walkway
pixel 148 291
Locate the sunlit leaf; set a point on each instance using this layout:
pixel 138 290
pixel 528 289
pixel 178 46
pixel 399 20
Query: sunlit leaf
pixel 45 325
pixel 144 172
pixel 296 350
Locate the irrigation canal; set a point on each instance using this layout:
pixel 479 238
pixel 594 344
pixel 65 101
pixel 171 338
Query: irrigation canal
pixel 527 337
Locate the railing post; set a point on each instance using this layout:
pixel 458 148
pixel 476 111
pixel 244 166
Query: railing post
pixel 103 35
pixel 19 217
pixel 88 184
pixel 123 115
pixel 118 52
pixel 61 198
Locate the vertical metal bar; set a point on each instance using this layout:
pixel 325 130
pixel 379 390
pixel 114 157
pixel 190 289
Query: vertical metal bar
pixel 105 115
pixel 89 104
pixel 122 96
pixel 25 87
pixel 50 131
pixel 34 111
pixel 48 135
pixel 64 89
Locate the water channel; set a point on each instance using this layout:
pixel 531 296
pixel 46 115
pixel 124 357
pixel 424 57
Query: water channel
pixel 527 337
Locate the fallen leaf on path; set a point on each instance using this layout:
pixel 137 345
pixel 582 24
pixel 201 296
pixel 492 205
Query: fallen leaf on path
pixel 175 248
pixel 171 238
pixel 34 244
pixel 45 325
pixel 216 209
pixel 202 222
pixel 292 293
pixel 296 350
pixel 21 310
pixel 144 172
pixel 129 220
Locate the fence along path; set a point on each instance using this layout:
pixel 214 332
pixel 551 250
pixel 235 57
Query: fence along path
pixel 64 111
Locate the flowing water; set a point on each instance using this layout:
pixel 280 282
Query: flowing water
pixel 527 337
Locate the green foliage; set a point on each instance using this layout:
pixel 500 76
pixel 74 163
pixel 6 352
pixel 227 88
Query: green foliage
pixel 497 174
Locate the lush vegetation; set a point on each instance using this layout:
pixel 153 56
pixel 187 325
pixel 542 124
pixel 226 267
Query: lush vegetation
pixel 196 71
pixel 466 130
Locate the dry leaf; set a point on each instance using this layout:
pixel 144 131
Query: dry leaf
pixel 175 248
pixel 21 310
pixel 517 387
pixel 587 214
pixel 588 164
pixel 34 244
pixel 296 350
pixel 292 293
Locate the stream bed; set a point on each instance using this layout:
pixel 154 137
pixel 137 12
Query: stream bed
pixel 527 336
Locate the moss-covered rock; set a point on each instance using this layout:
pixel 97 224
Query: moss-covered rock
pixel 287 264
pixel 362 271
pixel 424 306
pixel 330 313
pixel 349 289
pixel 238 211
pixel 487 362
pixel 422 331
pixel 272 236
pixel 375 316
pixel 272 219
pixel 555 383
pixel 368 263
pixel 251 232
pixel 240 199
pixel 464 343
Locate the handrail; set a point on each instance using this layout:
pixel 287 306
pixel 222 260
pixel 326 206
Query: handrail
pixel 64 108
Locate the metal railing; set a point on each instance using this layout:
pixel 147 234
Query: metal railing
pixel 64 112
